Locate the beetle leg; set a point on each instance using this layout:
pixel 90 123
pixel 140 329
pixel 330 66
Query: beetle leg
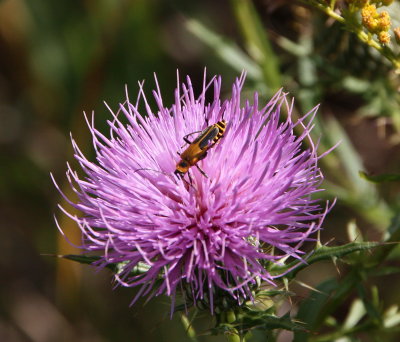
pixel 187 141
pixel 190 178
pixel 201 171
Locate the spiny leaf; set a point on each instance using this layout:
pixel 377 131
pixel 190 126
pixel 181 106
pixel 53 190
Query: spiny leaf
pixel 82 259
pixel 248 320
pixel 323 253
pixel 89 260
pixel 140 268
pixel 254 319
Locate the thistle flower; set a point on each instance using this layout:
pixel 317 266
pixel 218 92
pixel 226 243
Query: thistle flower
pixel 210 233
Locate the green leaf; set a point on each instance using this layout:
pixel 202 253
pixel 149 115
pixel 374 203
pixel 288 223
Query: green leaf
pixel 226 49
pixel 310 308
pixel 257 42
pixel 380 178
pixel 82 259
pixel 248 320
pixel 360 195
pixel 320 305
pixel 391 317
pixel 273 293
pixel 89 260
pixel 383 271
pixel 114 267
pixel 356 313
pixel 356 85
pixel 254 319
pixel 371 304
pixel 323 253
pixel 391 240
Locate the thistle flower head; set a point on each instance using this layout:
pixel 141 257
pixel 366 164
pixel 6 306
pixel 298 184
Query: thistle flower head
pixel 201 233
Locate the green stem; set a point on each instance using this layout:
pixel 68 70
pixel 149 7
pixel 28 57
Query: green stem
pixel 327 10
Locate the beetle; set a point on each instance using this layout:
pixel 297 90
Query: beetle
pixel 198 148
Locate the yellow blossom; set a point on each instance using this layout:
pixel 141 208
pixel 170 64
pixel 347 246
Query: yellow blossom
pixel 384 21
pixel 378 23
pixel 384 37
pixel 369 17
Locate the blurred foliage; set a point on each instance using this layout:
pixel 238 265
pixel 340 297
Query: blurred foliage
pixel 59 58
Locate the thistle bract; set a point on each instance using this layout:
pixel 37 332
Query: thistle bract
pixel 204 233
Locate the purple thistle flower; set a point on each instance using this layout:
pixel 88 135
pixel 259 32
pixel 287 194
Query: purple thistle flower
pixel 221 231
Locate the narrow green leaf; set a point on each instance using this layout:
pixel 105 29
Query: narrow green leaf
pixel 89 260
pixel 370 305
pixel 310 308
pixel 257 41
pixel 356 85
pixel 356 313
pixel 225 49
pixel 82 259
pixel 273 322
pixel 273 293
pixel 380 178
pixel 360 195
pixel 249 320
pixel 140 268
pixel 391 317
pixel 383 271
pixel 392 238
pixel 320 305
pixel 323 253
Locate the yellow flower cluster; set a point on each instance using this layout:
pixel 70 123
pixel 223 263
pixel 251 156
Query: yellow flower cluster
pixel 377 23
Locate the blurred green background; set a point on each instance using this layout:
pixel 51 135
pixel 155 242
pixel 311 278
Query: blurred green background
pixel 60 58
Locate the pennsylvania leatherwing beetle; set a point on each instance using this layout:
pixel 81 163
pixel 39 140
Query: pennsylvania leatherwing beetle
pixel 198 148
